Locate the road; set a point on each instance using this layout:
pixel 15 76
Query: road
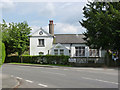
pixel 62 77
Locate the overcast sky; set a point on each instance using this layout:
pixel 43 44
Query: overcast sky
pixel 66 15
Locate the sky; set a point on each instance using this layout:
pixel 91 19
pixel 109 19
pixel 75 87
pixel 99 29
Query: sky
pixel 66 15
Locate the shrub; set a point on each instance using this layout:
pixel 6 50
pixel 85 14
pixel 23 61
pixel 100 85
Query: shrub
pixel 2 55
pixel 43 59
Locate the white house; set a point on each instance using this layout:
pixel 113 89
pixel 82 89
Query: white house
pixel 42 42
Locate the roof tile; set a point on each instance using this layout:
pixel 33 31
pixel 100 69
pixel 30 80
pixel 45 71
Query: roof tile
pixel 69 38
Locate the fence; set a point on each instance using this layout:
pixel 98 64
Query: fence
pixel 87 59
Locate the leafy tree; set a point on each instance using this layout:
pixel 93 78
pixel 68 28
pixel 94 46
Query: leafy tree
pixel 6 38
pixel 102 22
pixel 16 36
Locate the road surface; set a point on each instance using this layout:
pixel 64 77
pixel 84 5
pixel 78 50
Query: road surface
pixel 62 77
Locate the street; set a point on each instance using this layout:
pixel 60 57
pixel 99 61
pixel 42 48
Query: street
pixel 62 77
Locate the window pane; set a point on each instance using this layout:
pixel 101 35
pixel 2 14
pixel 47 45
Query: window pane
pixel 77 53
pixel 93 52
pixel 61 52
pixel 41 42
pixel 90 52
pixel 97 54
pixel 55 52
pixel 83 52
pixel 76 47
pixel 80 51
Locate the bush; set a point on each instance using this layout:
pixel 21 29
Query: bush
pixel 2 55
pixel 41 59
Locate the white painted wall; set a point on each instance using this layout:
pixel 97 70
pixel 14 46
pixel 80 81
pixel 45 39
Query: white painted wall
pixel 34 49
pixel 38 31
pixel 72 48
pixel 49 46
pixel 66 51
pixel 66 45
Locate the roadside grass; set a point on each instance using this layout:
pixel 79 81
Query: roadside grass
pixel 42 64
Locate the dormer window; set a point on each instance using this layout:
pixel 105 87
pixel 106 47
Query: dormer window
pixel 41 42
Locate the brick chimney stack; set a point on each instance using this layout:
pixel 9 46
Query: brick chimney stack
pixel 51 27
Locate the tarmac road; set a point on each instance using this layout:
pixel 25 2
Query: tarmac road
pixel 62 77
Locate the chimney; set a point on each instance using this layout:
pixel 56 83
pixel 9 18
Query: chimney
pixel 51 27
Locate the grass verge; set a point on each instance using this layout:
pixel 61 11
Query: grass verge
pixel 42 64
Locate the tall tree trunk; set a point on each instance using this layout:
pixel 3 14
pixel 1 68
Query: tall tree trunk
pixel 108 61
pixel 21 58
pixel 20 55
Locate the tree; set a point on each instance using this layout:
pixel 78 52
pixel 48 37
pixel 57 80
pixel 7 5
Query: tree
pixel 17 36
pixel 102 22
pixel 6 38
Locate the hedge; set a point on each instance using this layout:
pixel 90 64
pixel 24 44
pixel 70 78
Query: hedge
pixel 2 54
pixel 41 59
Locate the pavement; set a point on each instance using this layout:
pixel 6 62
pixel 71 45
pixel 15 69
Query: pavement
pixel 8 81
pixel 60 77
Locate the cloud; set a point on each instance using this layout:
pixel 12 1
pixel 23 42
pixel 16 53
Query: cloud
pixel 62 28
pixel 65 12
pixel 34 29
pixel 6 4
pixel 71 12
pixel 65 28
pixel 66 15
pixel 40 9
pixel 48 9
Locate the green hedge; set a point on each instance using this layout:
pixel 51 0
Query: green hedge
pixel 2 53
pixel 42 59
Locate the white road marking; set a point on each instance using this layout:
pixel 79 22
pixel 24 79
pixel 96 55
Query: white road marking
pixel 18 78
pixel 99 80
pixel 42 85
pixel 18 83
pixel 29 81
pixel 54 73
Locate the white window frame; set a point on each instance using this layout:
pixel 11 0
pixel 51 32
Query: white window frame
pixel 41 42
pixel 80 51
pixel 62 51
pixel 94 53
pixel 56 53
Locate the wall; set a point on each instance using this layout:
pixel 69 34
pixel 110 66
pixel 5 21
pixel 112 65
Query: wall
pixel 72 47
pixel 34 49
pixel 55 46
